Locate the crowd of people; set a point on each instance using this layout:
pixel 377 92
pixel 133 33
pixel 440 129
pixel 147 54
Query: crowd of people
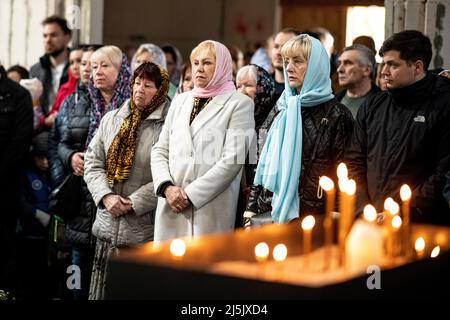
pixel 100 151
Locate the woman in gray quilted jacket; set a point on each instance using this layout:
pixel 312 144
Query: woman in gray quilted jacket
pixel 117 170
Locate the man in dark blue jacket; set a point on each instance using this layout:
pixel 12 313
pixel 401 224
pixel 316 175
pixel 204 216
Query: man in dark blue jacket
pixel 402 135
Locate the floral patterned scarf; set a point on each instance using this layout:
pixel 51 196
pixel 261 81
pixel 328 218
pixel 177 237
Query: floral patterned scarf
pixel 264 100
pixel 121 153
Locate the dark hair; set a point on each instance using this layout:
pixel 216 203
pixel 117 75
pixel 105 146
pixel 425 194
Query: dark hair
pixel 366 58
pixel 91 47
pixel 39 144
pixel 413 45
pixel 169 49
pixel 149 71
pixel 366 41
pixel 59 21
pixel 187 65
pixel 290 30
pixel 24 74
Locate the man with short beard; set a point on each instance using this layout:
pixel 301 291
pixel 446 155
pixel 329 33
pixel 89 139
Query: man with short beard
pixel 53 66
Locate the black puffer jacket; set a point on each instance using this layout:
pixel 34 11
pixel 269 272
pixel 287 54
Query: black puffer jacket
pixel 330 151
pixel 78 229
pixel 57 170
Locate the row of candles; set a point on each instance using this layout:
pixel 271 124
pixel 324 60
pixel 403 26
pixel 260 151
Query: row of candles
pixel 398 228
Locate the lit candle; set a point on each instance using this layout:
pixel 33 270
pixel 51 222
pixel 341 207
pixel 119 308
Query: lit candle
pixel 177 248
pixel 391 209
pixel 307 225
pixel 405 195
pixel 279 254
pixel 328 185
pixel 261 255
pixel 420 247
pixel 396 224
pixel 346 215
pixel 435 252
pixel 364 244
pixel 370 213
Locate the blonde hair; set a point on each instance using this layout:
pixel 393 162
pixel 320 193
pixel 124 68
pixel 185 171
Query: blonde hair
pixel 298 45
pixel 205 46
pixel 111 53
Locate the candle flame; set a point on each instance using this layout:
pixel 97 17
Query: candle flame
pixel 261 251
pixel 178 247
pixel 435 252
pixel 420 244
pixel 308 222
pixel 395 208
pixel 396 222
pixel 405 192
pixel 342 171
pixel 387 203
pixel 350 187
pixel 326 183
pixel 279 252
pixel 370 214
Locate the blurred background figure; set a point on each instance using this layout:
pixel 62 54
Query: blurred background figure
pixel 35 88
pixel 261 57
pixel 17 73
pixel 34 220
pixel 67 88
pixel 174 61
pixel 186 83
pixel 149 52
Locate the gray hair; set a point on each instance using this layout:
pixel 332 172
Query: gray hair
pixel 158 56
pixel 247 70
pixel 365 58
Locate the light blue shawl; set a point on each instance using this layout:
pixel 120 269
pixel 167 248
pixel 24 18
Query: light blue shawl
pixel 280 163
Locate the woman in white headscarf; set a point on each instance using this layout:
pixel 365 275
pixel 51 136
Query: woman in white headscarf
pixel 149 52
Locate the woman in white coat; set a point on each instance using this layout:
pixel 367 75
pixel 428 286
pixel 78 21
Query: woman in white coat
pixel 197 162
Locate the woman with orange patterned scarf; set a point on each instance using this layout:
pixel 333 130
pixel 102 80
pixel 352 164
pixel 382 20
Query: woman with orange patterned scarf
pixel 117 171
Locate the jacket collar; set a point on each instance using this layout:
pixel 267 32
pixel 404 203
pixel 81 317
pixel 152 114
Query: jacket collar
pixel 207 113
pixel 415 93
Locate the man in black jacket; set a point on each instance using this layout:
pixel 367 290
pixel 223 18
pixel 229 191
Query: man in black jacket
pixel 402 135
pixel 53 66
pixel 16 127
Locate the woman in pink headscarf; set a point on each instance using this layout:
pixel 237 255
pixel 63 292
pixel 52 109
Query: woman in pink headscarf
pixel 197 162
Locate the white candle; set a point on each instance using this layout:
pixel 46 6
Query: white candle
pixel 307 226
pixel 405 195
pixel 419 245
pixel 364 245
pixel 177 248
pixel 279 255
pixel 261 255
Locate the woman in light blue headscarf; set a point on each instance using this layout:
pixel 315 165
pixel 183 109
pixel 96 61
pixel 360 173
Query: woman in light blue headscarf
pixel 306 139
